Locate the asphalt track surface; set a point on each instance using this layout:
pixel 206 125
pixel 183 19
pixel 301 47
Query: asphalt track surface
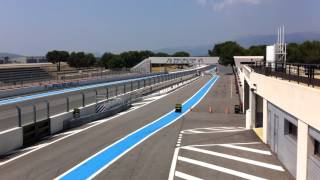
pixel 216 145
pixel 149 160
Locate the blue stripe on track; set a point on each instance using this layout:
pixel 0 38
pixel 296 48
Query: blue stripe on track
pixel 105 158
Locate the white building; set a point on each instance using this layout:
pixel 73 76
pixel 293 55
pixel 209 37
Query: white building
pixel 146 65
pixel 238 60
pixel 288 114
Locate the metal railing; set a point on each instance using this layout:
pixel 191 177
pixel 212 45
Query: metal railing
pixel 61 78
pixel 301 73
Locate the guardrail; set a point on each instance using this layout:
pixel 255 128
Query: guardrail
pixel 301 73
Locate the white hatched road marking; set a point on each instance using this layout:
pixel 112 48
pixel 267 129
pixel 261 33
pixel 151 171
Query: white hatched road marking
pixel 213 130
pixel 173 173
pixel 236 158
pixel 199 145
pixel 185 176
pixel 246 149
pixel 219 168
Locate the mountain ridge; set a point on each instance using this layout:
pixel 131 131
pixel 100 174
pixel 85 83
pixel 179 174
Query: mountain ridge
pixel 247 41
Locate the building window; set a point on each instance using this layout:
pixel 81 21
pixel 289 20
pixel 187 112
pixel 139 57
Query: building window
pixel 317 148
pixel 290 129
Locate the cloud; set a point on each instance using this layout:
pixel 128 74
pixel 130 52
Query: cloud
pixel 202 2
pixel 218 5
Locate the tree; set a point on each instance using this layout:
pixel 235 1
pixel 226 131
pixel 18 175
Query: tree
pixel 181 54
pixel 90 60
pixel 81 59
pixel 116 62
pixel 56 57
pixel 226 51
pixel 310 51
pixel 106 58
pixel 294 54
pixel 132 58
pixel 161 54
pixel 259 50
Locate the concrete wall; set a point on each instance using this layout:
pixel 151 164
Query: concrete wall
pixel 22 90
pixel 10 139
pixel 313 161
pixel 286 146
pixel 56 122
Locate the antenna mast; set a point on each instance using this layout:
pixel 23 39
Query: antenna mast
pixel 281 47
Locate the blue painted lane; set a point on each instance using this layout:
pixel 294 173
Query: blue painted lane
pixel 103 159
pixel 46 94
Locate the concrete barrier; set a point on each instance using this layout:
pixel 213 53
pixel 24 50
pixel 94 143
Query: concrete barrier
pixel 88 113
pixel 57 121
pixel 10 140
pixel 22 90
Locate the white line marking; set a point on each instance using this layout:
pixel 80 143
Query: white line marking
pixel 212 132
pixel 219 168
pixel 199 145
pixel 84 129
pixel 236 158
pixel 186 176
pixel 247 149
pixel 216 128
pixel 173 164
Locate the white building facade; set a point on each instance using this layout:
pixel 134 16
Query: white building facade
pixel 289 116
pixel 145 65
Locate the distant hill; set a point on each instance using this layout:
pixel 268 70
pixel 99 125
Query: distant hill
pixel 246 42
pixel 271 39
pixel 10 55
pixel 201 50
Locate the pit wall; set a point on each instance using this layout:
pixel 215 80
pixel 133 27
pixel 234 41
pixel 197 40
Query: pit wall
pixel 10 140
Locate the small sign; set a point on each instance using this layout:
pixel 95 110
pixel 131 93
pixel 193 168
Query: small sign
pixel 178 108
pixel 76 113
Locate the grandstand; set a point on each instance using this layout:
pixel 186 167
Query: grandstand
pixel 18 75
pixel 21 79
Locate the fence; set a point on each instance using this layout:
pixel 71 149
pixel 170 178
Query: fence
pixel 38 77
pixel 301 73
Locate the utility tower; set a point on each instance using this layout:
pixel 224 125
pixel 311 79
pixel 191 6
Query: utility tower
pixel 281 47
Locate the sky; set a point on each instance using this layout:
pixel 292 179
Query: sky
pixel 33 27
